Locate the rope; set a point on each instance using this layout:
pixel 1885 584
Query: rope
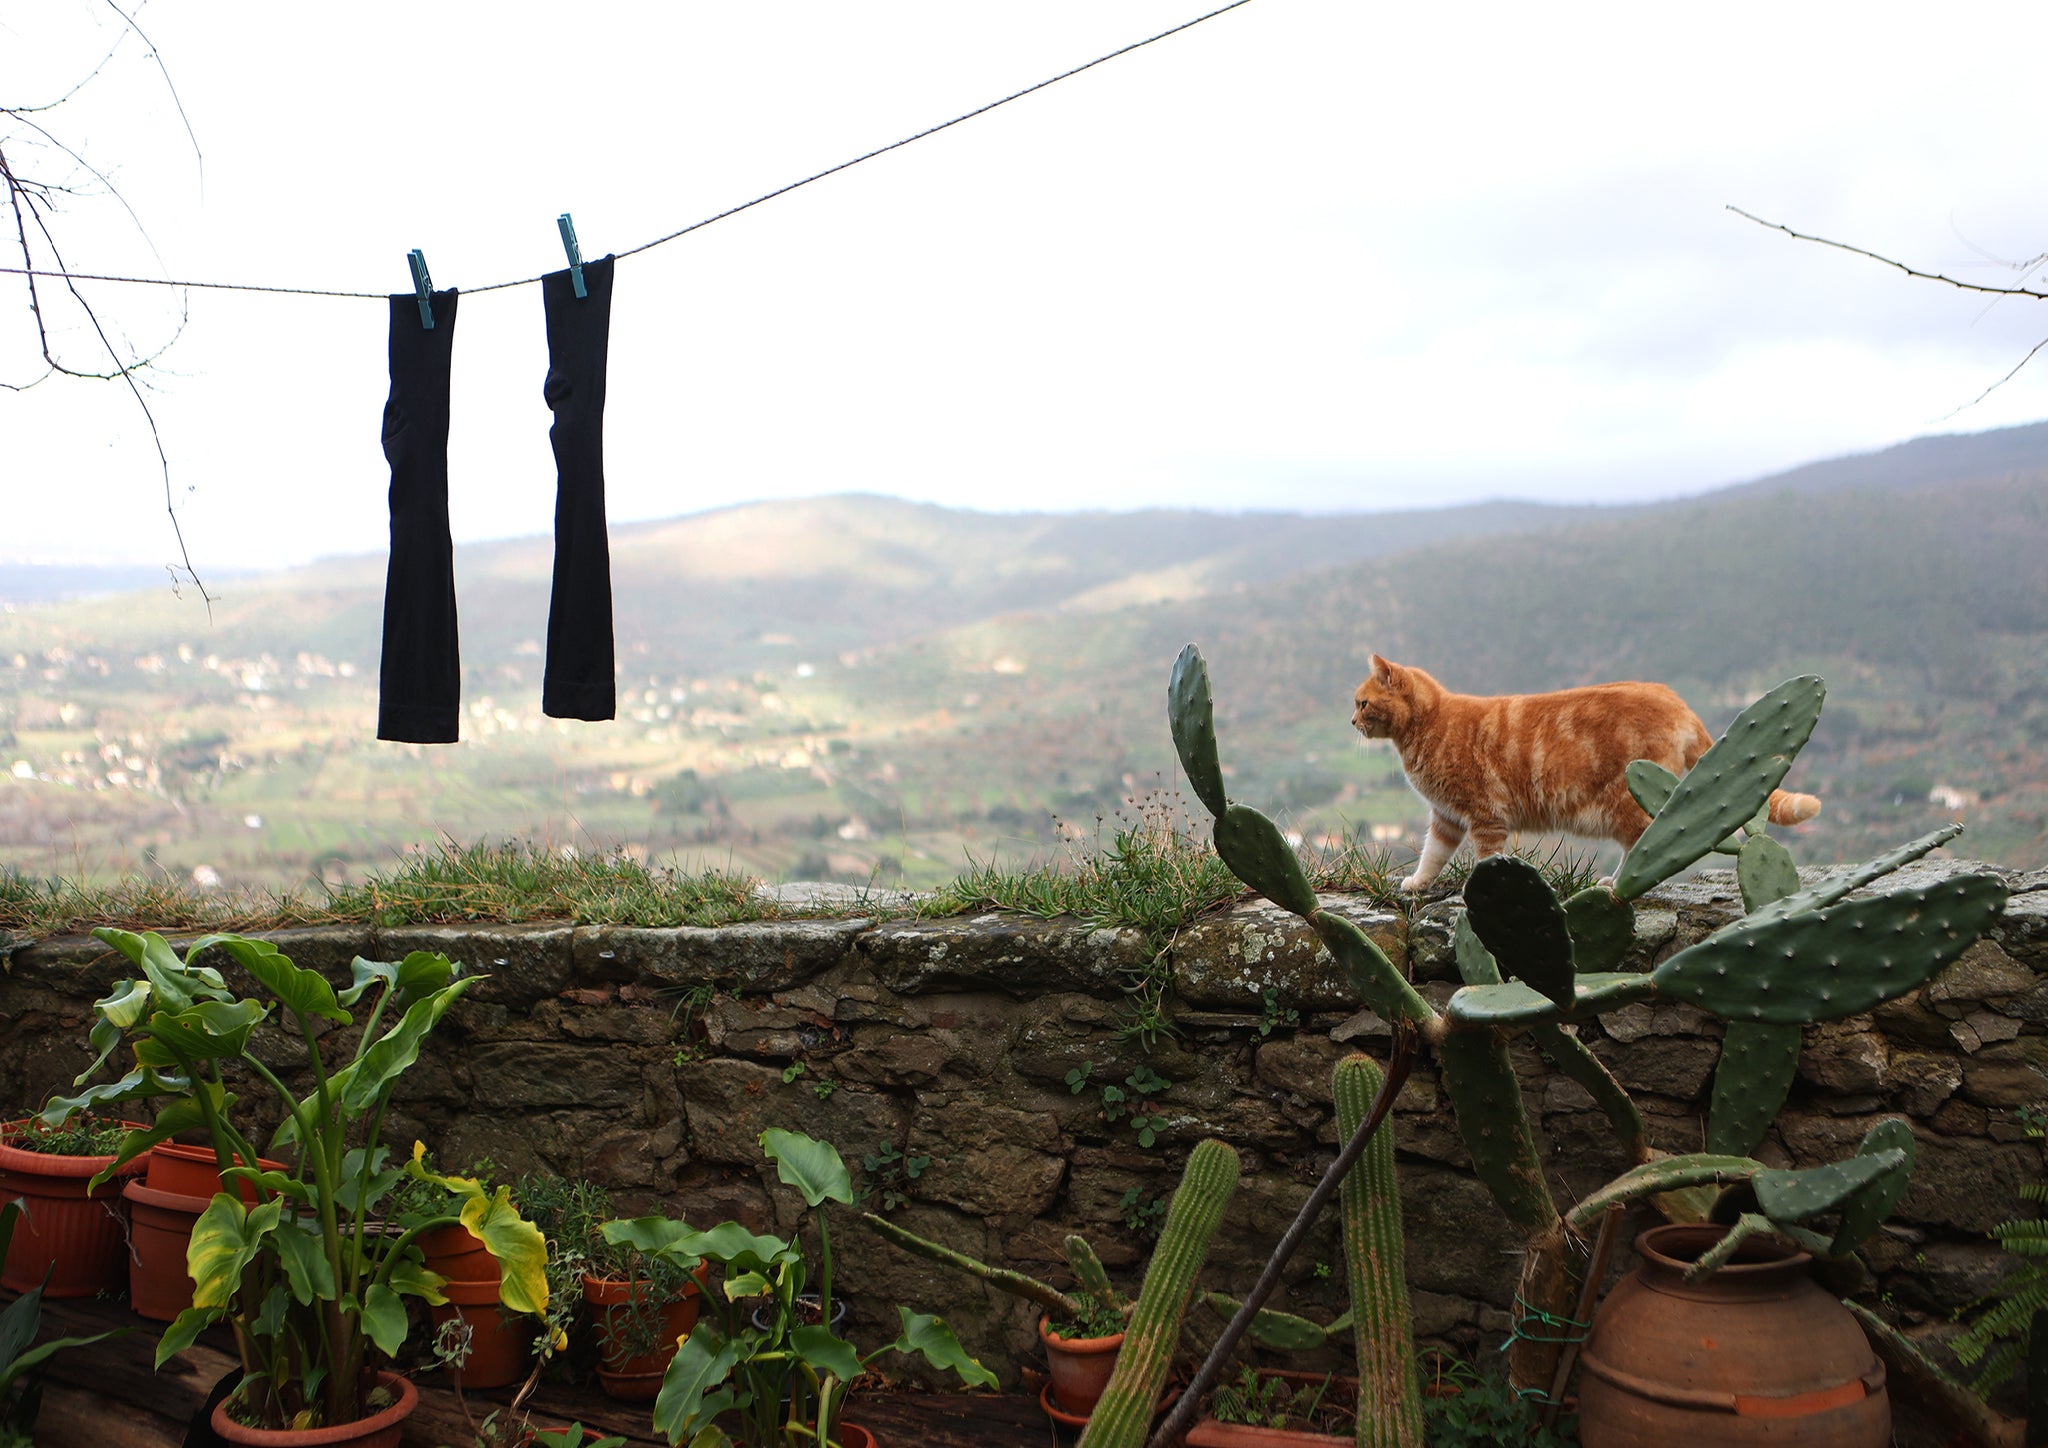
pixel 673 235
pixel 1556 1331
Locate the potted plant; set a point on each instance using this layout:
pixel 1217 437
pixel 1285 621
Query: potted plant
pixel 643 1294
pixel 20 1363
pixel 71 1242
pixel 786 1380
pixel 1278 1408
pixel 309 1278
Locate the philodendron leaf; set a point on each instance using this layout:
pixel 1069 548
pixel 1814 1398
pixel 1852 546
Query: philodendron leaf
pixel 399 1047
pixel 184 1331
pixel 306 1267
pixel 686 1402
pixel 826 1353
pixel 813 1167
pixel 302 991
pixel 207 1031
pixel 420 974
pixel 929 1337
pixel 654 1237
pixel 384 1318
pixel 732 1245
pixel 225 1239
pixel 521 1250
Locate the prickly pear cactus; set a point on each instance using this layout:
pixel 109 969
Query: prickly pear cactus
pixel 1518 918
pixel 1121 1418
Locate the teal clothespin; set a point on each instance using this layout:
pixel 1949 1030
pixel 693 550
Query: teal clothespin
pixel 568 230
pixel 423 284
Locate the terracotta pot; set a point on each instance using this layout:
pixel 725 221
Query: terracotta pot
pixel 1081 1367
pixel 80 1239
pixel 194 1171
pixel 1756 1353
pixel 636 1377
pixel 852 1435
pixel 1209 1432
pixel 159 1237
pixel 379 1430
pixel 1078 1421
pixel 458 1253
pixel 500 1342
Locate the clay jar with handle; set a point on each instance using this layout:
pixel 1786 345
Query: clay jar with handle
pixel 1756 1353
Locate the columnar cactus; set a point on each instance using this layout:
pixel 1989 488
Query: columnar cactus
pixel 1121 1418
pixel 1389 1398
pixel 1533 964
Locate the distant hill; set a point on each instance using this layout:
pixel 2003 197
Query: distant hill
pixel 854 685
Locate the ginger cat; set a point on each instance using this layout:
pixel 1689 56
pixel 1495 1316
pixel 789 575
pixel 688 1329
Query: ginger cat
pixel 1490 764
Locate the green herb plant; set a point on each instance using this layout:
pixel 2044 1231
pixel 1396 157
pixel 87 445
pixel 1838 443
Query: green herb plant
pixel 1266 1400
pixel 889 1175
pixel 312 1286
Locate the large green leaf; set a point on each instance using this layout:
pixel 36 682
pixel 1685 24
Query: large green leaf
pixel 184 1114
pixel 704 1361
pixel 521 1250
pixel 653 1237
pixel 384 1318
pixel 420 974
pixel 225 1239
pixel 412 1279
pixel 813 1167
pixel 304 1255
pixel 397 1048
pixel 207 1031
pixel 734 1246
pixel 817 1345
pixel 929 1336
pixel 184 1331
pixel 302 991
pixel 175 984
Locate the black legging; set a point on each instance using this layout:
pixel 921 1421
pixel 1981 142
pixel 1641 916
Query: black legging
pixel 579 680
pixel 419 679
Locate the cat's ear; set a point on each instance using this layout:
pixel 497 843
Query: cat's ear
pixel 1382 671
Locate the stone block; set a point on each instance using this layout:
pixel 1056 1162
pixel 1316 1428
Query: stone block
pixel 987 1159
pixel 522 964
pixel 1982 973
pixel 510 1076
pixel 756 956
pixel 1846 1056
pixel 730 1103
pixel 1230 962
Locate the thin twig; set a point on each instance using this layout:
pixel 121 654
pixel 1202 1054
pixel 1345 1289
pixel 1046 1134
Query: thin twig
pixel 1925 276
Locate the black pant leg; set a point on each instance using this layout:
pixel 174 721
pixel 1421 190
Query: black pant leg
pixel 419 678
pixel 579 682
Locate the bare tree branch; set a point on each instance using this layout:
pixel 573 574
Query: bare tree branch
pixel 1924 276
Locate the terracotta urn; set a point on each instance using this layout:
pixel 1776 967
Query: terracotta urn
pixel 1756 1353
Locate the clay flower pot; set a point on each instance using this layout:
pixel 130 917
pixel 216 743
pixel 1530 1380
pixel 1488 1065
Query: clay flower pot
pixel 458 1253
pixel 1756 1352
pixel 1210 1432
pixel 194 1171
pixel 500 1342
pixel 852 1435
pixel 1081 1367
pixel 159 1236
pixel 379 1430
pixel 636 1377
pixel 80 1239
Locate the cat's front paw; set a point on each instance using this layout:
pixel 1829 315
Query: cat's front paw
pixel 1414 883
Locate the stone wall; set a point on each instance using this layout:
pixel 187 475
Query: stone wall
pixel 651 1060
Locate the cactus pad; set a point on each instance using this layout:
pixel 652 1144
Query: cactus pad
pixel 1475 965
pixel 1836 887
pixel 1487 1097
pixel 1665 1174
pixel 1281 1331
pixel 1259 855
pixel 1603 927
pixel 1865 1209
pixel 1516 916
pixel 1726 787
pixel 1089 1274
pixel 1824 964
pixel 1192 719
pixel 1651 784
pixel 1604 990
pixel 1765 871
pixel 1372 975
pixel 1757 1062
pixel 1796 1196
pixel 1510 1003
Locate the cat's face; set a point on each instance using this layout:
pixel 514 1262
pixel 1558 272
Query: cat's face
pixel 1380 708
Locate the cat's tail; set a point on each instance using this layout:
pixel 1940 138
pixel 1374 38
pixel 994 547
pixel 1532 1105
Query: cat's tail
pixel 1788 808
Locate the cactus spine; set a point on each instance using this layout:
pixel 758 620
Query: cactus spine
pixel 1120 1420
pixel 1389 1399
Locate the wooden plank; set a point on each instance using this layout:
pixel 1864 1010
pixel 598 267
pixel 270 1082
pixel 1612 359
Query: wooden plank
pixel 76 1417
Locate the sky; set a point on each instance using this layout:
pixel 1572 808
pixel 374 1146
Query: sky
pixel 1309 254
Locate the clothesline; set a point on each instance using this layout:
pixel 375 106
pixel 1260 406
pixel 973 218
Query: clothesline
pixel 673 235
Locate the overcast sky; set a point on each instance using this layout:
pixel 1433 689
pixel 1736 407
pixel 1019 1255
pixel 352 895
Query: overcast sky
pixel 1311 254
